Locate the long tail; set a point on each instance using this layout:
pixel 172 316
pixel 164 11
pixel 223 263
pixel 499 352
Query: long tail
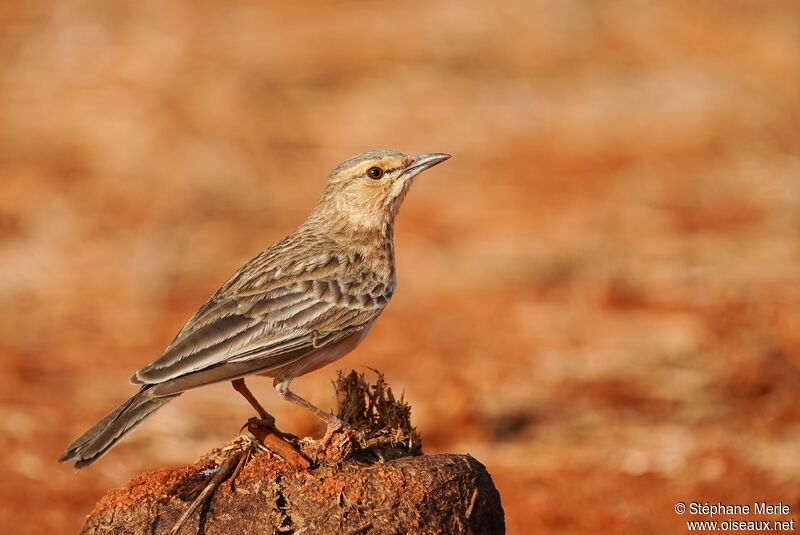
pixel 91 445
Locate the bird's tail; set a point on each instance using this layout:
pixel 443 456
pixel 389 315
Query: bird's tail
pixel 95 442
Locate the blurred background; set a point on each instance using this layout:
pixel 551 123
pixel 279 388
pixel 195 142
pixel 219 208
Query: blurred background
pixel 599 294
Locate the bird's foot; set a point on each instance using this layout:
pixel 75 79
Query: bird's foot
pixel 268 425
pixel 266 419
pixel 336 444
pixel 334 425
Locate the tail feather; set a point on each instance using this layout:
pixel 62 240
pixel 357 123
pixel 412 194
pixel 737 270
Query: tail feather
pixel 95 442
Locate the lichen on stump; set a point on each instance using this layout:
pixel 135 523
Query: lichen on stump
pixel 383 485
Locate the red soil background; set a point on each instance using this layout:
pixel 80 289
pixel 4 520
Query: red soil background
pixel 599 294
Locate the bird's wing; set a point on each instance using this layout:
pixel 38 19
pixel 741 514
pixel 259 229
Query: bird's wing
pixel 274 316
pixel 228 371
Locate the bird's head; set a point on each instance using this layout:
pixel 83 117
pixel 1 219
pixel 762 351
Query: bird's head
pixel 365 191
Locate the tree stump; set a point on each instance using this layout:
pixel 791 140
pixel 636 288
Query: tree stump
pixel 370 480
pixel 427 494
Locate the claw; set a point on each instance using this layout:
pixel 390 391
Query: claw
pixel 331 429
pixel 264 423
pixel 269 425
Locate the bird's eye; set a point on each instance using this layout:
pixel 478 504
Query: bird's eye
pixel 375 173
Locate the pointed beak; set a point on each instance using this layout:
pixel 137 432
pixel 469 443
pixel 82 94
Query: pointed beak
pixel 424 161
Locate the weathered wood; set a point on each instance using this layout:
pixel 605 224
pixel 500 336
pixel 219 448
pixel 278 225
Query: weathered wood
pixel 424 494
pixel 261 483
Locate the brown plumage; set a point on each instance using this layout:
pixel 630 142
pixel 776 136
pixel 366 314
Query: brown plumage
pixel 300 304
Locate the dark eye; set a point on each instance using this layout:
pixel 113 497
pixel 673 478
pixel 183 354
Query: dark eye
pixel 375 173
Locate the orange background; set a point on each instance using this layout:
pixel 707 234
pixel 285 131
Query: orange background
pixel 599 294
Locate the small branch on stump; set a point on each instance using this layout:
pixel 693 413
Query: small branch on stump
pixel 372 479
pixel 274 443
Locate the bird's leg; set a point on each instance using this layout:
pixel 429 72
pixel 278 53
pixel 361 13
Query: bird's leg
pixel 266 418
pixel 333 423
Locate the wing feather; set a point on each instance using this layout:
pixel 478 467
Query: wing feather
pixel 202 349
pixel 271 312
pixel 279 327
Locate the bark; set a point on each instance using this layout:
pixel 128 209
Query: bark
pixel 414 494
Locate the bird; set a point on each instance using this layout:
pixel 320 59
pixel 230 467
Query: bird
pixel 300 304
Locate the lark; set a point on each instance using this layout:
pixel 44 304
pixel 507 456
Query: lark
pixel 300 304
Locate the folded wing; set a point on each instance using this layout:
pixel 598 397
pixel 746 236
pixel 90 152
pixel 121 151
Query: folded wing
pixel 259 332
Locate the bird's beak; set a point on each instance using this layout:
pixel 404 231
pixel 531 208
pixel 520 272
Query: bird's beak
pixel 423 161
